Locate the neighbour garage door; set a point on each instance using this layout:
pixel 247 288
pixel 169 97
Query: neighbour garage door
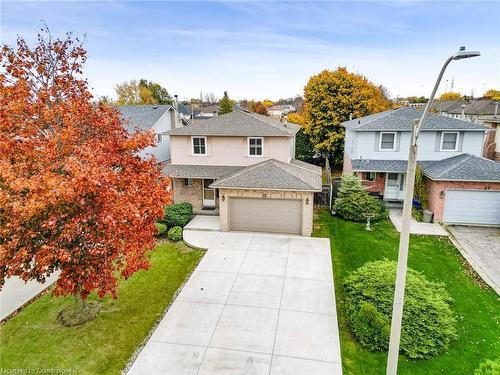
pixel 472 207
pixel 265 215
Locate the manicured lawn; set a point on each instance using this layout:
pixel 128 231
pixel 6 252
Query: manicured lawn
pixel 477 307
pixel 34 339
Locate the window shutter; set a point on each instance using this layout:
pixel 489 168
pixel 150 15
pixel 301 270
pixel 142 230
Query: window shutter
pixel 398 141
pixel 438 141
pixel 460 140
pixel 377 141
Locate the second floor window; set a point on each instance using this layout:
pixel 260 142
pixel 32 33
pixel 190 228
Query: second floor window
pixel 388 141
pixel 449 141
pixel 199 145
pixel 255 146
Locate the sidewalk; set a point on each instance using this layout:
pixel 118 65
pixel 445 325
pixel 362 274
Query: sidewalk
pixel 415 226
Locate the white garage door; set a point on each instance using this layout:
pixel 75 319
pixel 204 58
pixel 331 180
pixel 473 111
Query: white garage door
pixel 472 207
pixel 265 215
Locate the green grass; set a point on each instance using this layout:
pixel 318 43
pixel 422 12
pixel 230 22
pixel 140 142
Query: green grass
pixel 34 339
pixel 476 306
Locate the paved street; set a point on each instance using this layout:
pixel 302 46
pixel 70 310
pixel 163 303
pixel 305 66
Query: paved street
pixel 256 304
pixel 481 247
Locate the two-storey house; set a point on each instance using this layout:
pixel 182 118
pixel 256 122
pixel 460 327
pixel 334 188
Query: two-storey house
pixel 462 186
pixel 241 166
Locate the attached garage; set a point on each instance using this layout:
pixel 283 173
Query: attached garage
pixel 265 215
pixel 472 207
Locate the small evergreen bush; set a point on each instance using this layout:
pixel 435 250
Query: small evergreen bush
pixel 178 214
pixel 428 322
pixel 162 228
pixel 175 234
pixel 353 206
pixel 488 367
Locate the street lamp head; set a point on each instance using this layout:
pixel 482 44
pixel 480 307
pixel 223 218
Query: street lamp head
pixel 463 54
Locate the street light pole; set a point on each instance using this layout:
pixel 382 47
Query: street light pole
pixel 399 289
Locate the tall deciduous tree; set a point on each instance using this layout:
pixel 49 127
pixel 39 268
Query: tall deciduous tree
pixel 330 98
pixel 259 108
pixel 142 92
pixel 158 93
pixel 128 93
pixel 74 195
pixel 225 105
pixel 492 94
pixel 450 96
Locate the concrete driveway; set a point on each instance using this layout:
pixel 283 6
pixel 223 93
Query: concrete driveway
pixel 256 304
pixel 481 247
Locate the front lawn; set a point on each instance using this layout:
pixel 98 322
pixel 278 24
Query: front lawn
pixel 477 307
pixel 34 339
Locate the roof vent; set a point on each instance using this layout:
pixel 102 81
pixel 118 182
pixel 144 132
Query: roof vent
pixel 155 107
pixel 359 121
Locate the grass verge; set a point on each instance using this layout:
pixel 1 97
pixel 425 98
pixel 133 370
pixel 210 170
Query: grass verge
pixel 33 339
pixel 477 307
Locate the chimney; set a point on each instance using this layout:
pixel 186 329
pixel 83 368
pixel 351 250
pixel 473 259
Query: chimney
pixel 463 112
pixel 350 116
pixel 177 115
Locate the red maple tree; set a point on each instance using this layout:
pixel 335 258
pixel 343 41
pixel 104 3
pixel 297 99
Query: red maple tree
pixel 74 195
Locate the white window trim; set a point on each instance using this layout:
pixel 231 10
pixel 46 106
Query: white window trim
pixel 248 147
pixel 394 144
pixel 374 176
pixel 161 137
pixel 442 141
pixel 192 145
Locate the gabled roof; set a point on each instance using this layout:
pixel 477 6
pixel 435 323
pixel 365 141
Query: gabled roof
pixel 239 123
pixel 141 117
pixel 472 106
pixel 401 120
pixel 464 167
pixel 272 175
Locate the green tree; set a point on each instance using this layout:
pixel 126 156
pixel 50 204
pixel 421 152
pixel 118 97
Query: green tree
pixel 225 105
pixel 128 93
pixel 331 97
pixel 159 93
pixel 304 149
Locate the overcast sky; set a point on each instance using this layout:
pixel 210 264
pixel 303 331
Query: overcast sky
pixel 270 49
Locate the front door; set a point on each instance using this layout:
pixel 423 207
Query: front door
pixel 208 194
pixel 392 186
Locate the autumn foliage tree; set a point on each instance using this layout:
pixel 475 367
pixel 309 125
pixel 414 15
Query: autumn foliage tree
pixel 74 195
pixel 330 98
pixel 450 96
pixel 259 108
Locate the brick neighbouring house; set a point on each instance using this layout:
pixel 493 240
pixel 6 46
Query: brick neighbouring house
pixel 462 186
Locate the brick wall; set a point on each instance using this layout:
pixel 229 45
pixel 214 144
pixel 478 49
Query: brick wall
pixel 377 186
pixel 191 194
pixel 434 188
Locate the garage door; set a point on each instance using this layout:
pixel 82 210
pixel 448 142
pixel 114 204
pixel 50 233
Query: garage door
pixel 472 207
pixel 265 215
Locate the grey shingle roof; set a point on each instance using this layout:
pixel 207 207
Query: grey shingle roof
pixel 369 165
pixel 239 123
pixel 463 167
pixel 272 175
pixel 401 119
pixel 199 171
pixel 142 117
pixel 472 107
pixel 303 164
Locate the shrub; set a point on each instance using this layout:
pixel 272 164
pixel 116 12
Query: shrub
pixel 178 214
pixel 175 234
pixel 162 228
pixel 349 184
pixel 353 206
pixel 488 367
pixel 428 322
pixel 417 213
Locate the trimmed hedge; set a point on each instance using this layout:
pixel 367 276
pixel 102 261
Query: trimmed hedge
pixel 488 367
pixel 428 321
pixel 178 214
pixel 162 228
pixel 175 234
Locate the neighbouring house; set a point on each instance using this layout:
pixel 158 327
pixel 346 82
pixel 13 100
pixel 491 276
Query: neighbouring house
pixel 207 112
pixel 492 141
pixel 156 118
pixel 463 187
pixel 280 110
pixel 241 166
pixel 472 110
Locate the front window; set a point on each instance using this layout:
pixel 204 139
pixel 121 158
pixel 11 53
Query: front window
pixel 255 146
pixel 387 141
pixel 371 176
pixel 199 145
pixel 449 141
pixel 162 138
pixel 188 182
